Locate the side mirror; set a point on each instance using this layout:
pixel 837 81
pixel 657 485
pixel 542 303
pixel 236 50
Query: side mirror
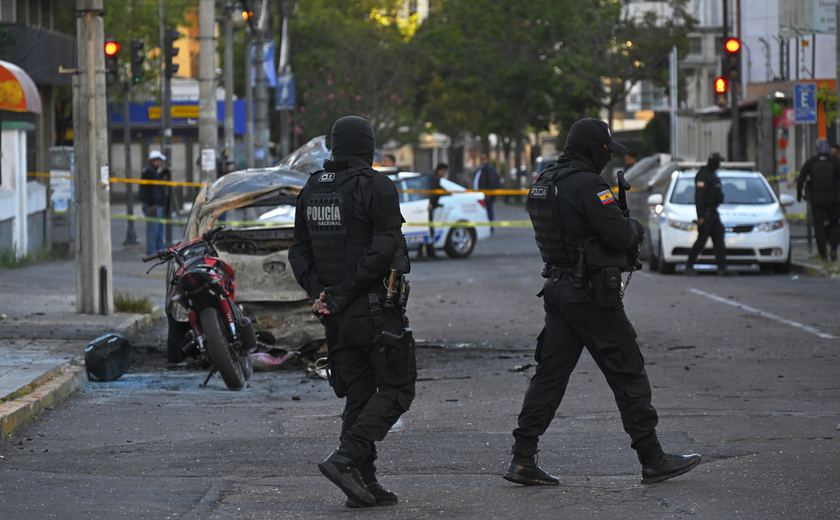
pixel 655 199
pixel 786 200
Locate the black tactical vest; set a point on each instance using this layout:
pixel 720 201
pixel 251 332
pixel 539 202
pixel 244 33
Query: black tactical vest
pixel 822 184
pixel 555 247
pixel 338 236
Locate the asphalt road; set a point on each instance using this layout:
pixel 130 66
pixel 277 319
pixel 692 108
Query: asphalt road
pixel 745 372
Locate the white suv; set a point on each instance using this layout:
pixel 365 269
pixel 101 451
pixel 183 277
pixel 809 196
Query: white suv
pixel 756 230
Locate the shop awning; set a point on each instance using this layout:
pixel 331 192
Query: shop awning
pixel 18 92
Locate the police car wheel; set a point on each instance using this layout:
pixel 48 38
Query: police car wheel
pixel 664 267
pixel 654 257
pixel 460 242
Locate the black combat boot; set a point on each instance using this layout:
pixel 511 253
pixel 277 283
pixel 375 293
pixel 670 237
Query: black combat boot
pixel 669 467
pixel 524 470
pixel 344 473
pixel 383 496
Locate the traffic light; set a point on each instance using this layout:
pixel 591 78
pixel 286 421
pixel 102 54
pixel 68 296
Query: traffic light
pixel 137 59
pixel 112 71
pixel 732 60
pixel 720 91
pixel 170 51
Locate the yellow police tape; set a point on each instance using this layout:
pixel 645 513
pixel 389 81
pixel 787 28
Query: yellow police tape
pixel 252 223
pixel 494 192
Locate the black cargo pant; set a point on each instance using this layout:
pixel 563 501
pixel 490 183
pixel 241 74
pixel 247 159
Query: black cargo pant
pixel 376 398
pixel 573 322
pixel 711 227
pixel 823 210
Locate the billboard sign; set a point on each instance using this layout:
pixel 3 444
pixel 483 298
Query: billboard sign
pixel 805 17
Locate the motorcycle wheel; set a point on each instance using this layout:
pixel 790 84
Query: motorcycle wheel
pixel 176 339
pixel 220 350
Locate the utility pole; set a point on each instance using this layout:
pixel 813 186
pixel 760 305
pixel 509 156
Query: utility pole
pixel 284 71
pixel 227 23
pixel 837 68
pixel 208 130
pixel 261 101
pixel 249 100
pixel 90 148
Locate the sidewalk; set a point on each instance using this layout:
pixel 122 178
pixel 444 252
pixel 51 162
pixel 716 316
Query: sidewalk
pixel 42 339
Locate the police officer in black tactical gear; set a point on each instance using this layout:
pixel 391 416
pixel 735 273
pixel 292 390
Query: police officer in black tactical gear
pixel 708 195
pixel 350 256
pixel 574 213
pixel 819 179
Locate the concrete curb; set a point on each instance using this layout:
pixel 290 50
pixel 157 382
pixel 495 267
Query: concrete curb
pixel 51 389
pixel 59 383
pixel 808 269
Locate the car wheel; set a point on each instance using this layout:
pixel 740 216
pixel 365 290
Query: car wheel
pixel 176 338
pixel 460 242
pixel 654 257
pixel 785 267
pixel 664 267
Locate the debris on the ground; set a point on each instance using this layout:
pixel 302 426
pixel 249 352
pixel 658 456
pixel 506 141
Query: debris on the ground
pixel 265 362
pixel 520 368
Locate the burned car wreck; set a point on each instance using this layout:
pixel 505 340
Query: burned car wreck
pixel 266 289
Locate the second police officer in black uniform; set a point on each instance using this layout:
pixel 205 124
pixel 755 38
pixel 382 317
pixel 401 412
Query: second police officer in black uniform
pixel 350 257
pixel 708 195
pixel 574 213
pixel 819 182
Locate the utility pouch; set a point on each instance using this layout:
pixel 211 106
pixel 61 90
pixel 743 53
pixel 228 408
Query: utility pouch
pixel 599 256
pixel 608 287
pixel 336 384
pixel 394 358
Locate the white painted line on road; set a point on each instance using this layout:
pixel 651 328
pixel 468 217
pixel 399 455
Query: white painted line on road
pixel 766 314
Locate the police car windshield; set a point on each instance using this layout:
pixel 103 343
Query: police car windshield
pixel 736 190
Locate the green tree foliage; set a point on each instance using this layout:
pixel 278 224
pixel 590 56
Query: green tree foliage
pixel 349 58
pixel 606 50
pixel 485 67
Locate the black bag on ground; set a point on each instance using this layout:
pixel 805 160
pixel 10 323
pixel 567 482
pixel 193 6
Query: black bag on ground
pixel 108 357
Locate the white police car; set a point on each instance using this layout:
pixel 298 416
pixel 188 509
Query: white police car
pixel 457 207
pixel 756 230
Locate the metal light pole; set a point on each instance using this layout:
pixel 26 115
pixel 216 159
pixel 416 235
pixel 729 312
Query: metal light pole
pixel 130 234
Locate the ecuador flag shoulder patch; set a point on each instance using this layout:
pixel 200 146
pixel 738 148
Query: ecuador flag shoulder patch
pixel 606 197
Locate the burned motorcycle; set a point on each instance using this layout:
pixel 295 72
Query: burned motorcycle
pixel 204 286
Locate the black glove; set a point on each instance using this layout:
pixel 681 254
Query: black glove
pixel 640 229
pixel 335 299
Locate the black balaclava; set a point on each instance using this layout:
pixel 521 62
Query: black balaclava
pixel 587 141
pixel 822 147
pixel 714 161
pixel 352 136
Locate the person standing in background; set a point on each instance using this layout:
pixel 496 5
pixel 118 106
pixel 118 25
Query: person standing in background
pixel 487 178
pixel 152 198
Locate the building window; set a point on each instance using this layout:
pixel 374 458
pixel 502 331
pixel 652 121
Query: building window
pixel 695 45
pixel 7 11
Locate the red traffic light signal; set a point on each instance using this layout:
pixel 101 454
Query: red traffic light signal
pixel 112 47
pixel 731 63
pixel 732 45
pixel 720 86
